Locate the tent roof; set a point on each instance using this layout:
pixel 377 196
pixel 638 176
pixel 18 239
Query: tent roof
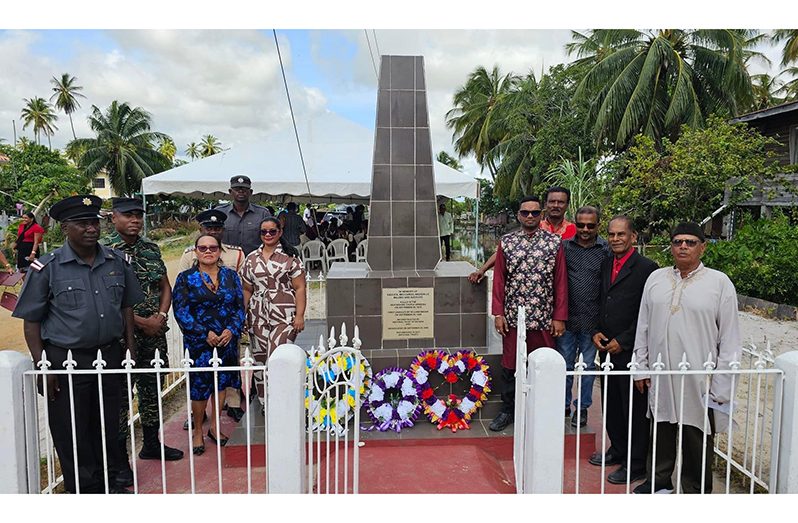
pixel 338 157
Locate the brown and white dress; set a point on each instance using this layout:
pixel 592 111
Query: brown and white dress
pixel 272 306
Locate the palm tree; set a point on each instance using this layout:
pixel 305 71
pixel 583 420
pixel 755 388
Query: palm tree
pixel 447 159
pixel 654 82
pixel 790 88
pixel 38 113
pixel 166 146
pixel 790 51
pixel 123 147
pixel 765 88
pixel 66 95
pixel 210 145
pixel 472 117
pixel 193 151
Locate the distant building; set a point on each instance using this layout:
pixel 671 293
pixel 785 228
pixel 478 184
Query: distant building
pixel 781 124
pixel 101 186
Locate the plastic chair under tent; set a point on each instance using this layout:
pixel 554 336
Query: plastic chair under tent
pixel 362 251
pixel 338 250
pixel 314 251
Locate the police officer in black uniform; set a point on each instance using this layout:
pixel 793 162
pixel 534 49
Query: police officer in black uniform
pixel 79 297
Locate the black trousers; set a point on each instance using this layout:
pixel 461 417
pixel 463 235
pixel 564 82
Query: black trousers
pixel 88 434
pixel 447 243
pixel 508 390
pixel 618 421
pixel 694 441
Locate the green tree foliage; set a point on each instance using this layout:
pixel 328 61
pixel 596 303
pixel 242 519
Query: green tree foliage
pixel 653 83
pixel 124 147
pixel 210 145
pixel 34 173
pixel 39 114
pixel 447 159
pixel 66 93
pixel 193 151
pixel 790 38
pixel 688 179
pixel 761 260
pixel 585 181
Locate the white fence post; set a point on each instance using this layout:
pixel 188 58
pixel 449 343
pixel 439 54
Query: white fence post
pixel 544 437
pixel 786 459
pixel 285 422
pixel 20 443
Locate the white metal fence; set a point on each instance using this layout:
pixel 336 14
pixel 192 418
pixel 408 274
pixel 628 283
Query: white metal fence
pixel 748 443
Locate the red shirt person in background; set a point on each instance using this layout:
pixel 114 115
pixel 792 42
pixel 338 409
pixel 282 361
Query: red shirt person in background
pixel 29 236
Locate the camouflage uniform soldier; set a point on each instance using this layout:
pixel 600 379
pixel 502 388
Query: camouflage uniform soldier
pixel 150 321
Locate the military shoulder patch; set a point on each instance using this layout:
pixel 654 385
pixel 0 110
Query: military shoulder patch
pixel 39 263
pixel 188 249
pixel 231 247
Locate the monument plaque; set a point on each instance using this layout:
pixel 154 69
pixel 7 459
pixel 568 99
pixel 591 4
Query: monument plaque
pixel 407 313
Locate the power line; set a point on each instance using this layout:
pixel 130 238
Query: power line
pixel 293 120
pixel 373 64
pixel 376 44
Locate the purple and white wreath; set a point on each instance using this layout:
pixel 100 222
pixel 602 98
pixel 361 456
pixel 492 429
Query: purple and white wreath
pixel 393 402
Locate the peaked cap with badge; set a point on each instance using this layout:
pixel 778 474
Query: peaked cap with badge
pixel 211 218
pixel 240 181
pixel 78 207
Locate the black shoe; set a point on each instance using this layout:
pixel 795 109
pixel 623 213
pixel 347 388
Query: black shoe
pixel 500 422
pixel 236 413
pixel 610 459
pixel 645 488
pixel 169 453
pixel 198 451
pixel 582 420
pixel 567 412
pixel 222 442
pixel 124 478
pixel 618 477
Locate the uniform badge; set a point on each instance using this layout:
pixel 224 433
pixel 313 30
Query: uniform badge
pixel 86 202
pixel 240 180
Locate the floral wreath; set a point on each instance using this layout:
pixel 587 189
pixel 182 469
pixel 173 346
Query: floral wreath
pixel 453 412
pixel 394 401
pixel 331 410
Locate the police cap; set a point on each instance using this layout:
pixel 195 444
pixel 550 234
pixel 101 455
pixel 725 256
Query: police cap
pixel 127 205
pixel 211 218
pixel 240 181
pixel 77 207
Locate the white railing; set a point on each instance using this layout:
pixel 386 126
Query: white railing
pixel 335 379
pixel 128 370
pixel 756 427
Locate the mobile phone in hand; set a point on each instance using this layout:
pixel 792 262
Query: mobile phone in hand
pixel 604 342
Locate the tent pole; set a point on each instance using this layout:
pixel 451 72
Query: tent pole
pixel 144 204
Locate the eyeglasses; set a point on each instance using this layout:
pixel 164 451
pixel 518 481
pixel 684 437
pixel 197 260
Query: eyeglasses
pixel 526 214
pixel 590 226
pixel 269 232
pixel 207 248
pixel 689 243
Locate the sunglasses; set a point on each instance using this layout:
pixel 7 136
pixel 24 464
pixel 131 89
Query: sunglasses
pixel 207 248
pixel 590 226
pixel 526 214
pixel 269 232
pixel 689 243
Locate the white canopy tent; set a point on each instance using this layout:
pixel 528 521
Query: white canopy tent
pixel 338 157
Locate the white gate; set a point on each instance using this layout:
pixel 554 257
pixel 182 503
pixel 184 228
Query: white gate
pixel 336 381
pixel 519 426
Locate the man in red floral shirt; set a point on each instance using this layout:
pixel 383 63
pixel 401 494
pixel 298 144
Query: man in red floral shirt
pixel 530 271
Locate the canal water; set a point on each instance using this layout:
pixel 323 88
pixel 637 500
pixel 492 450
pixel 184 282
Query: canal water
pixel 467 247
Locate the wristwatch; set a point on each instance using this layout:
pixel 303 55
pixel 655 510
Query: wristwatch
pixel 165 315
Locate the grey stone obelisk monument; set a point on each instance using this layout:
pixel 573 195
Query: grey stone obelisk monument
pixel 405 297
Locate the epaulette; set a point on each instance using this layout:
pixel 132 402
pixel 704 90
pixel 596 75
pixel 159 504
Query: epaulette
pixel 231 247
pixel 121 254
pixel 39 263
pixel 188 249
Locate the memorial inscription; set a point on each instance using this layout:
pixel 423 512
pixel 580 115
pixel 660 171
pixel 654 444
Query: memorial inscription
pixel 407 313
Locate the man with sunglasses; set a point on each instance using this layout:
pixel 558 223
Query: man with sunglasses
pixel 243 217
pixel 687 310
pixel 623 276
pixel 530 271
pixel 80 297
pixel 212 223
pixel 150 318
pixel 584 255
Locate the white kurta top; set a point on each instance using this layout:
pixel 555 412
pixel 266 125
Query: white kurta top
pixel 696 316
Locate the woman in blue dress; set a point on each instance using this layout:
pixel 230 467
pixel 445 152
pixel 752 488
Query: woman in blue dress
pixel 209 308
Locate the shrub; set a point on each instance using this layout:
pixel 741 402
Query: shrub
pixel 762 260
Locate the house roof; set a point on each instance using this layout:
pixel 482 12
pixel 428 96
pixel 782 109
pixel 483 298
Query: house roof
pixel 766 113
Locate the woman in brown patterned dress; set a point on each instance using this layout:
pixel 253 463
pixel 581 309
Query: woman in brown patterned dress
pixel 274 291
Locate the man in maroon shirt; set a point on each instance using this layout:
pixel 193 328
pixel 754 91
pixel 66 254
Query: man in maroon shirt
pixel 530 272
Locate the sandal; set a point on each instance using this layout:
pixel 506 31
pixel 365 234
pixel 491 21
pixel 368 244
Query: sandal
pixel 222 442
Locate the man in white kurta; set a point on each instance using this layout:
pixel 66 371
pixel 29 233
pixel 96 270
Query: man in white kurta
pixel 691 310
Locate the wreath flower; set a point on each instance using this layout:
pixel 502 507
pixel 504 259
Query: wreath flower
pixel 452 412
pixel 394 401
pixel 333 398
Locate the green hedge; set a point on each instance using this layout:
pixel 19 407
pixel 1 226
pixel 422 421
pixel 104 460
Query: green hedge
pixel 762 260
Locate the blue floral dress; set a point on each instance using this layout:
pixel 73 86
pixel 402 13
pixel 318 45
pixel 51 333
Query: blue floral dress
pixel 198 310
